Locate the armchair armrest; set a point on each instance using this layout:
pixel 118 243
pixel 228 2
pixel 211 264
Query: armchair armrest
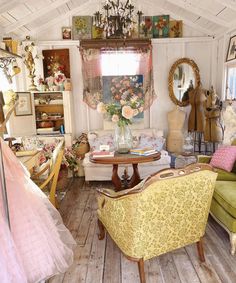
pixel 204 158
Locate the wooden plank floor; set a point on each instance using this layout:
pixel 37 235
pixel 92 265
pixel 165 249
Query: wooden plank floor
pixel 102 262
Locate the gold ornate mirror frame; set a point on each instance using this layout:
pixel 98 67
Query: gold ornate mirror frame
pixel 171 79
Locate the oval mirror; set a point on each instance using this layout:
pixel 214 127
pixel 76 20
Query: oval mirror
pixel 183 76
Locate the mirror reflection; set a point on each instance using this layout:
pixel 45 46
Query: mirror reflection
pixel 183 77
pixel 184 80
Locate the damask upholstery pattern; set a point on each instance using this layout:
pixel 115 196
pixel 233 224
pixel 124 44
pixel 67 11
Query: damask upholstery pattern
pixel 166 215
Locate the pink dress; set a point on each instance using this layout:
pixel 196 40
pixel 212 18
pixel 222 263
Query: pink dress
pixel 38 245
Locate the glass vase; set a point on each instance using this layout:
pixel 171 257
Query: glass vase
pixel 123 139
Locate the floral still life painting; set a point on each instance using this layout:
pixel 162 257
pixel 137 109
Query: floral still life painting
pixel 123 99
pixel 56 61
pixel 160 26
pixel 82 26
pixel 176 28
pixel 145 28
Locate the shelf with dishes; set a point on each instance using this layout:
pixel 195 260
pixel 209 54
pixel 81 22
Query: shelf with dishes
pixel 47 105
pixel 49 123
pixel 50 119
pixel 49 112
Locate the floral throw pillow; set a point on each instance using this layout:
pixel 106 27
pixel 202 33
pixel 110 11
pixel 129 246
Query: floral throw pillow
pixel 97 141
pixel 154 142
pixel 224 158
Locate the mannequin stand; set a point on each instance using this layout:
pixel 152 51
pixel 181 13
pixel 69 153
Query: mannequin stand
pixel 198 141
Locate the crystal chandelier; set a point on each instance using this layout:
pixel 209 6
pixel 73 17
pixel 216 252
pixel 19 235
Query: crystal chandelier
pixel 118 19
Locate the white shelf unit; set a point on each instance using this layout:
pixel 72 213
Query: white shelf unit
pixel 27 125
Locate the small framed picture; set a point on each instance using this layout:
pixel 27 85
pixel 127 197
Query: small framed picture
pixel 66 32
pixel 24 106
pixel 231 54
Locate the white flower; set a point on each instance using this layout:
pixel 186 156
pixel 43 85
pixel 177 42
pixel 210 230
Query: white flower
pixel 140 109
pixel 122 102
pixel 127 112
pixel 136 112
pixel 101 108
pixel 133 99
pixel 115 118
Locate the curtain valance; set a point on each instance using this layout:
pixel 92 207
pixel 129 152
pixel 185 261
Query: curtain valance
pixel 92 68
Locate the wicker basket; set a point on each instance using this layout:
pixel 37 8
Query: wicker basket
pixel 82 149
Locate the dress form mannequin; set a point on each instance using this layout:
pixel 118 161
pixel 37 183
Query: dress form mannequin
pixel 175 137
pixel 213 129
pixel 196 120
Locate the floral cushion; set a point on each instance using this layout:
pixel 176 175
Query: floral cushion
pixel 150 141
pixel 96 141
pixel 224 158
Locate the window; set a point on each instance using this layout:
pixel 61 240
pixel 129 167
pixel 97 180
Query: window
pixel 231 82
pixel 117 63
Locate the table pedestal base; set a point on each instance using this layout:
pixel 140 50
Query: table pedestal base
pixel 127 183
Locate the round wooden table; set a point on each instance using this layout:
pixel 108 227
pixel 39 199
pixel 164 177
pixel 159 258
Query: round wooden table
pixel 125 159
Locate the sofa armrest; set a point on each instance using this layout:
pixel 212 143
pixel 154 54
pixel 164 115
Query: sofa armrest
pixel 203 159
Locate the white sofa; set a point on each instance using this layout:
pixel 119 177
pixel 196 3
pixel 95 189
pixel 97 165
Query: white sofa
pixel 98 172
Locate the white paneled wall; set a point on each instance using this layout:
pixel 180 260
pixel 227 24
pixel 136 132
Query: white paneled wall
pixel 205 51
pixel 165 53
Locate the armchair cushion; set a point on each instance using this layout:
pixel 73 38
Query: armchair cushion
pixel 225 176
pixel 224 158
pixel 225 195
pixel 221 214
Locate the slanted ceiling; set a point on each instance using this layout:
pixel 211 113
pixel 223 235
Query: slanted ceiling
pixel 19 18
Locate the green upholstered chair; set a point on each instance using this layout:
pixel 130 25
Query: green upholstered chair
pixel 223 206
pixel 166 211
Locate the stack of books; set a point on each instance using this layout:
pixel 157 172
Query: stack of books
pixel 145 151
pixel 102 153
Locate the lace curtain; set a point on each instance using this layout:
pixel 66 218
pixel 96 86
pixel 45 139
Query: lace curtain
pixel 92 71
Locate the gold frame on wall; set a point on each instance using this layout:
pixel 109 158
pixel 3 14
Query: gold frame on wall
pixel 171 76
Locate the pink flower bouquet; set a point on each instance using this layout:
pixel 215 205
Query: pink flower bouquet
pixel 59 78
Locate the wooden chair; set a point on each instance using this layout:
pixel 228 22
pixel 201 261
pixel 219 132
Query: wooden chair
pixel 53 167
pixel 165 212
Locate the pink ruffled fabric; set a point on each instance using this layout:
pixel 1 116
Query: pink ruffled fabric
pixel 39 245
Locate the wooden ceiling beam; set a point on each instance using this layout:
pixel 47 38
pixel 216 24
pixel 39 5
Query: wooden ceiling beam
pixel 35 15
pixel 228 3
pixel 199 12
pixel 154 6
pixel 77 8
pixel 8 5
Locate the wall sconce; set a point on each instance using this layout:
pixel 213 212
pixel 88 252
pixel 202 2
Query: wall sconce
pixel 7 58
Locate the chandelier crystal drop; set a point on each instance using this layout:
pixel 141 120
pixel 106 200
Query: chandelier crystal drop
pixel 117 19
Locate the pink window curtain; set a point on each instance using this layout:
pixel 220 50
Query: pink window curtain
pixel 92 73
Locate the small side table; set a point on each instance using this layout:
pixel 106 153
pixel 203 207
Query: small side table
pixel 126 159
pixel 183 160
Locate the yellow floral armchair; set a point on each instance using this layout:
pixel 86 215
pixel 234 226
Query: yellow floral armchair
pixel 164 212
